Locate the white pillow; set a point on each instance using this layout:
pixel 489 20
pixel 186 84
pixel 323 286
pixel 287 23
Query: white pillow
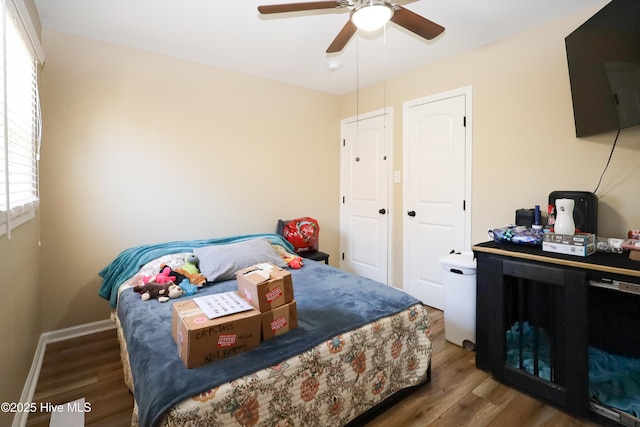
pixel 220 262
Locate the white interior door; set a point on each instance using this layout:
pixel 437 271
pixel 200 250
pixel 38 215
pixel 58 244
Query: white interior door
pixel 436 198
pixel 364 182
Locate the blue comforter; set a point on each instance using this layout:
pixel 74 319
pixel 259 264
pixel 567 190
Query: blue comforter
pixel 329 301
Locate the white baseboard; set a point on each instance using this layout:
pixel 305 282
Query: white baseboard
pixel 20 419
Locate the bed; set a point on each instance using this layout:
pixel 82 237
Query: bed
pixel 358 345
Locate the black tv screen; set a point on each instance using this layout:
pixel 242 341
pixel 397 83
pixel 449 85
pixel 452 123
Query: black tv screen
pixel 603 56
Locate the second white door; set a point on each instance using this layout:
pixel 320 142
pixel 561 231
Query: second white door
pixel 364 213
pixel 435 190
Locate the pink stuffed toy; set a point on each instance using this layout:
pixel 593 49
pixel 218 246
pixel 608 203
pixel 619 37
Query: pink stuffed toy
pixel 162 277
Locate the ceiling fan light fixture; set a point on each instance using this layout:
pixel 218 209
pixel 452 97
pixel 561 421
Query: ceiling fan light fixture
pixel 371 15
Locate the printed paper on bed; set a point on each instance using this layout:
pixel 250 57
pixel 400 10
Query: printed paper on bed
pixel 223 304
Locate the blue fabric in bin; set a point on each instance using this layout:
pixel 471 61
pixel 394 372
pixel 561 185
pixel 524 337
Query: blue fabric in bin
pixel 615 381
pixel 513 349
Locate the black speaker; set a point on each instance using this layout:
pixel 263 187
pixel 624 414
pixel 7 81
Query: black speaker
pixel 585 212
pixel 525 217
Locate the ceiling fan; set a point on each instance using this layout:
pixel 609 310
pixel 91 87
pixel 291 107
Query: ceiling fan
pixel 361 10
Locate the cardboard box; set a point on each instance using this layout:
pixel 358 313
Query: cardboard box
pixel 279 320
pixel 578 239
pixel 201 340
pixel 568 249
pixel 265 286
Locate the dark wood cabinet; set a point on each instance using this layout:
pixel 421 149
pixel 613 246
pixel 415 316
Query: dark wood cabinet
pixel 535 322
pixel 539 313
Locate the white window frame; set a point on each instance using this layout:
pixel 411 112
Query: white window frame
pixel 20 118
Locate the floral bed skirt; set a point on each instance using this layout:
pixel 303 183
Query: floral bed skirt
pixel 328 385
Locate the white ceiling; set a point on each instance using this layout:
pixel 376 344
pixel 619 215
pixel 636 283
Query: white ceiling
pixel 290 47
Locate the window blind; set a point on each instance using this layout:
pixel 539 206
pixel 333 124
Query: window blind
pixel 19 125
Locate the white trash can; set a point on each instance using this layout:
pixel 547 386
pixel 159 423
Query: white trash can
pixel 459 285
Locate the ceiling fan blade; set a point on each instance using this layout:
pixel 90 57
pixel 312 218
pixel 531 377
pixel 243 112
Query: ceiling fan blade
pixel 296 7
pixel 343 37
pixel 416 23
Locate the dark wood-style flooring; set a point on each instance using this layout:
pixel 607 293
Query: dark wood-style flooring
pixel 458 394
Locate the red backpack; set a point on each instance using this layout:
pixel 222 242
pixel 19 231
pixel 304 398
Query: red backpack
pixel 302 233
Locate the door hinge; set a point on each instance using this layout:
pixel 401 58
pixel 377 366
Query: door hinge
pixel 464 121
pixel 343 256
pixel 343 200
pixel 464 205
pixel 344 142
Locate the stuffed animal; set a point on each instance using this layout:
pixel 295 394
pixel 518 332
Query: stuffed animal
pixel 296 263
pixel 180 274
pixel 197 279
pixel 160 291
pixel 191 264
pixel 292 260
pixel 162 277
pixel 188 288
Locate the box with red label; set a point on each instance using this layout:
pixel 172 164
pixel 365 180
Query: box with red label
pixel 265 286
pixel 279 320
pixel 201 340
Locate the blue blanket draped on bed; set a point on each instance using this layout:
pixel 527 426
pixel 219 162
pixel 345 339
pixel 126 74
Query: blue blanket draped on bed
pixel 329 301
pixel 130 260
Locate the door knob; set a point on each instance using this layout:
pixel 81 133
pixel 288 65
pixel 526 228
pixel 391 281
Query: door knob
pixel 382 211
pixel 411 213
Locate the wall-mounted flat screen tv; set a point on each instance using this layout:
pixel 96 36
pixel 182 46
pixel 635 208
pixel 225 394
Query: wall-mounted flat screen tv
pixel 603 56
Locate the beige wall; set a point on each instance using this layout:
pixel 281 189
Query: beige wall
pixel 524 143
pixel 139 148
pixel 20 313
